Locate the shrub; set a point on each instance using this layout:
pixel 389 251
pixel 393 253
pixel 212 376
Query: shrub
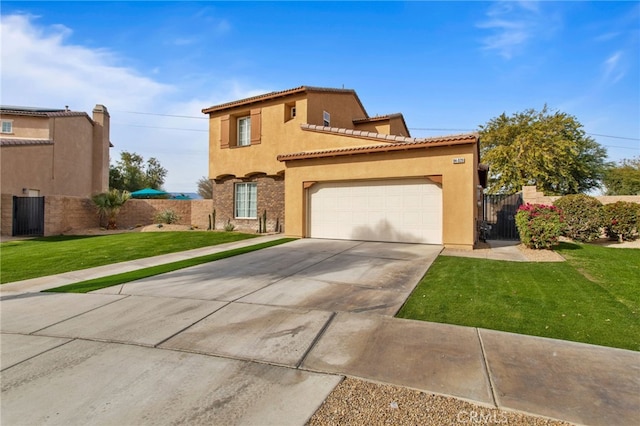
pixel 539 225
pixel 229 226
pixel 622 220
pixel 167 216
pixel 583 217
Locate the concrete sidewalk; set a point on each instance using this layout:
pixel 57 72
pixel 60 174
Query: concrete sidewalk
pixel 263 338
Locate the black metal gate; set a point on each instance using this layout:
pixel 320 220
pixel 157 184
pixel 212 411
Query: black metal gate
pixel 28 216
pixel 500 216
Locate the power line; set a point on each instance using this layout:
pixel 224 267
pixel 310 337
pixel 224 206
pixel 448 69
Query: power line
pixel 164 128
pixel 615 137
pixel 472 130
pixel 162 115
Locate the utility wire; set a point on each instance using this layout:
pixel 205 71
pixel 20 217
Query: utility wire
pixel 162 115
pixel 410 128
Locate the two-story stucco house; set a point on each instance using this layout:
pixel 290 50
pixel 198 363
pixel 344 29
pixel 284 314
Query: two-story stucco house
pixel 320 167
pixel 54 151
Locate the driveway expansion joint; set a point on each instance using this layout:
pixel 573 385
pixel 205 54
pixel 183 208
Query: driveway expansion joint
pixel 317 338
pixel 485 365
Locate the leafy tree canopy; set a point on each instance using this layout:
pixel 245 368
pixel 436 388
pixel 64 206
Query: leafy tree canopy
pixel 131 173
pixel 547 149
pixel 205 188
pixel 624 178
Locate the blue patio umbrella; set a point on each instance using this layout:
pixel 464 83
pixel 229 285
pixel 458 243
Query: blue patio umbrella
pixel 149 193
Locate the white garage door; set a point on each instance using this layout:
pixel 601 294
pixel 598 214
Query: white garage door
pixel 391 210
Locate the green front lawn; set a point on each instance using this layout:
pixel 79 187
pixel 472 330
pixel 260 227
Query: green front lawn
pixel 594 297
pixel 24 259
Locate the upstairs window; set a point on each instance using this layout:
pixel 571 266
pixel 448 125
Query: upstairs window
pixel 246 200
pixel 326 119
pixel 244 131
pixel 7 126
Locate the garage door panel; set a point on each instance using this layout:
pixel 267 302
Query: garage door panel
pixel 396 210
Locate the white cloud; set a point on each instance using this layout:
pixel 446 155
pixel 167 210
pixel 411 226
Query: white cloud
pixel 613 69
pixel 513 25
pixel 40 68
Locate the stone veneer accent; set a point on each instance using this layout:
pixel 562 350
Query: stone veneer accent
pixel 270 198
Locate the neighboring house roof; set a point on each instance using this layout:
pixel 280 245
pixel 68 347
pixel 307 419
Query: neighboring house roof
pixel 281 94
pixel 24 142
pixel 41 112
pixel 400 145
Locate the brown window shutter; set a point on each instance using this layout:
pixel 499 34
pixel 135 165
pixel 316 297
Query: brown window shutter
pixel 224 131
pixel 256 127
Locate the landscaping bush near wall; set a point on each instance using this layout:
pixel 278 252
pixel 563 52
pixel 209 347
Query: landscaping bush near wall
pixel 617 211
pixel 622 220
pixel 583 217
pixel 539 225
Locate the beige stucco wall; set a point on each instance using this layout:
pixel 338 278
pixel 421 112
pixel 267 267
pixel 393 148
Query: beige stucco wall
pixel 458 185
pixel 76 164
pixel 280 134
pixel 29 167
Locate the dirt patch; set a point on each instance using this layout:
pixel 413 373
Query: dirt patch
pixel 616 244
pixel 169 228
pixel 533 255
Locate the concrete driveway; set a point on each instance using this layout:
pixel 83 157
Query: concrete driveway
pixel 264 337
pixel 217 343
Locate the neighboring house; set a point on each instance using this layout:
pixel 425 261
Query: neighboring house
pixel 320 167
pixel 54 151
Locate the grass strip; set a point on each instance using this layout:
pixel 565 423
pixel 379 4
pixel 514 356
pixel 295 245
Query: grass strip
pixel 591 298
pixel 125 277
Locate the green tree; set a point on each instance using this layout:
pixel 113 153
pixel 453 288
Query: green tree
pixel 205 188
pixel 547 149
pixel 109 205
pixel 131 173
pixel 624 178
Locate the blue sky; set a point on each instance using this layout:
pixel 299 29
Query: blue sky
pixel 447 66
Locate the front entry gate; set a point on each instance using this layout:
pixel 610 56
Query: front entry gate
pixel 499 215
pixel 28 216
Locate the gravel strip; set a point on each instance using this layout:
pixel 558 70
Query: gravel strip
pixel 358 402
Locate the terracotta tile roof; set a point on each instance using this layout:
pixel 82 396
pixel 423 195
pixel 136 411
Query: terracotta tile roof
pixel 404 145
pixel 280 94
pixel 363 134
pixel 377 118
pixel 24 142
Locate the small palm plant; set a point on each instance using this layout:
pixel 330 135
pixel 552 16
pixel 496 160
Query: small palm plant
pixel 109 205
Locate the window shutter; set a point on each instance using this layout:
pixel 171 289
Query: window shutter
pixel 224 131
pixel 256 126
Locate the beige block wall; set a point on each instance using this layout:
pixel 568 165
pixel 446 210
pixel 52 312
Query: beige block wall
pixel 65 214
pixel 532 196
pixel 6 214
pixel 458 185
